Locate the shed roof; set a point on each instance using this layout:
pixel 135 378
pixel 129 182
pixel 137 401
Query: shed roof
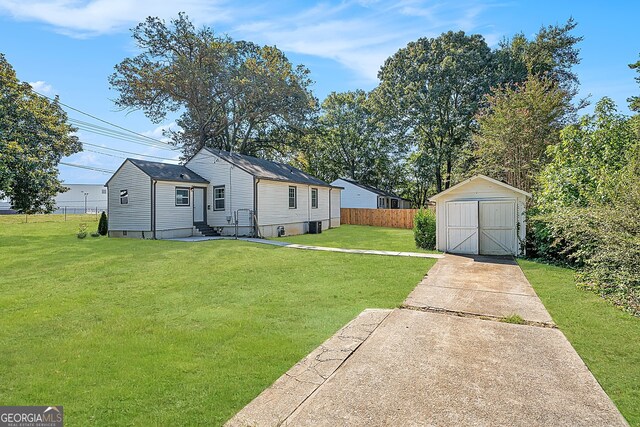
pixel 479 177
pixel 267 169
pixel 167 172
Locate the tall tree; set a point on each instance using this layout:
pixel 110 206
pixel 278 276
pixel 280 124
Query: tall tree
pixel 515 128
pixel 634 101
pixel 34 136
pixel 232 95
pixel 432 89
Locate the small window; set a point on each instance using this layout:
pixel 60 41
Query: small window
pixel 104 191
pixel 293 197
pixel 124 197
pixel 182 197
pixel 395 204
pixel 314 198
pixel 218 198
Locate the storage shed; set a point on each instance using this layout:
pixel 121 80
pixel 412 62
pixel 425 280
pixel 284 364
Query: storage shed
pixel 481 215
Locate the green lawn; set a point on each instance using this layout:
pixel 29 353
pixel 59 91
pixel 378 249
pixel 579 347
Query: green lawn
pixel 607 339
pixel 360 237
pixel 125 331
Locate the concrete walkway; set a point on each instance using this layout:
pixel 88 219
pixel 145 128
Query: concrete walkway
pixel 443 359
pixel 310 247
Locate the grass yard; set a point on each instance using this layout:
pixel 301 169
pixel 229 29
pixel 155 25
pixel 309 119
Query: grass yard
pixel 125 331
pixel 607 339
pixel 361 237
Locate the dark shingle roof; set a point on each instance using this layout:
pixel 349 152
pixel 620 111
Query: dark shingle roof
pixel 168 172
pixel 375 190
pixel 266 169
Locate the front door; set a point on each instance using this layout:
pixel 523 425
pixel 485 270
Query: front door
pixel 198 205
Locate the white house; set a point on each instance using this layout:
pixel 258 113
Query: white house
pixel 220 192
pixel 481 216
pixel 356 195
pixel 79 198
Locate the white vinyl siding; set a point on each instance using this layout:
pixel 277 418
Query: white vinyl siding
pixel 136 215
pixel 170 216
pixel 238 186
pixel 483 191
pixel 354 196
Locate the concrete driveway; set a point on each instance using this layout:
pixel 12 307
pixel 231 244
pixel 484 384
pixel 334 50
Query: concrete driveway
pixel 443 359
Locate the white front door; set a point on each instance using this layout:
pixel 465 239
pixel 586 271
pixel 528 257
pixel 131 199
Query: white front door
pixel 462 227
pixel 498 227
pixel 198 205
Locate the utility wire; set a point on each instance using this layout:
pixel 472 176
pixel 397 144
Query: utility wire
pixel 93 168
pixel 101 120
pixel 126 152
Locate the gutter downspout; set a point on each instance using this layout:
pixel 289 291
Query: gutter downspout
pixel 256 181
pixel 153 208
pixel 330 206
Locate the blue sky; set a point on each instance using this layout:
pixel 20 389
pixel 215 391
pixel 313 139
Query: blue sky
pixel 69 47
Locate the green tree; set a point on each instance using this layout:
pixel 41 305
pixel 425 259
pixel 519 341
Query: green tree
pixel 232 95
pixel 515 128
pixel 634 101
pixel 432 89
pixel 34 136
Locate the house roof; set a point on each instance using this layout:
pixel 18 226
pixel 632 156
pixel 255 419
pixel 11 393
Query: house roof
pixel 475 178
pixel 374 190
pixel 168 172
pixel 266 169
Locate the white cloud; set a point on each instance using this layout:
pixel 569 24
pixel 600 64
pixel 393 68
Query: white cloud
pixel 95 17
pixel 158 132
pixel 360 35
pixel 42 87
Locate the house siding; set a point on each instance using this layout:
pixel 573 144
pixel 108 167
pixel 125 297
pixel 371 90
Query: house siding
pixel 354 196
pixel 135 216
pixel 238 186
pixel 336 204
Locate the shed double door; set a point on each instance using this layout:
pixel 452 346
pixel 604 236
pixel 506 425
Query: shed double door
pixel 485 227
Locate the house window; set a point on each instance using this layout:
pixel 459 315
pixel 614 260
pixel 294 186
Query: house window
pixel 394 204
pixel 218 198
pixel 293 197
pixel 124 197
pixel 104 191
pixel 182 196
pixel 314 198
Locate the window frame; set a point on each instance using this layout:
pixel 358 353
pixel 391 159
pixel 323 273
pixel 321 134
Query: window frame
pixel 295 197
pixel 215 200
pixel 314 191
pixel 124 200
pixel 188 196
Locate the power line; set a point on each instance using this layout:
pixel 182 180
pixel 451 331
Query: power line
pixel 92 168
pixel 100 130
pixel 101 120
pixel 126 152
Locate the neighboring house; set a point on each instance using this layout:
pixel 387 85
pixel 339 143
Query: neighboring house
pixel 227 192
pixel 79 198
pixel 82 198
pixel 356 195
pixel 481 216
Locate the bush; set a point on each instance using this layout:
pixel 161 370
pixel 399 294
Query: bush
pixel 424 229
pixel 103 225
pixel 82 231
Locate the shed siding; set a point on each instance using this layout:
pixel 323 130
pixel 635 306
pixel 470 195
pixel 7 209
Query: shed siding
pixel 238 186
pixel 479 189
pixel 356 197
pixel 135 216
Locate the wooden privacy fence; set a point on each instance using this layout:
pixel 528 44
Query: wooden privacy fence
pixel 396 218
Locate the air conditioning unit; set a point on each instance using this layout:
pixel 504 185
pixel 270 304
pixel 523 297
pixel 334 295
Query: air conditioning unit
pixel 315 227
pixel 280 231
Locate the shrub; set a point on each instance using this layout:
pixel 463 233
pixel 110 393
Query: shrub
pixel 82 231
pixel 103 225
pixel 424 229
